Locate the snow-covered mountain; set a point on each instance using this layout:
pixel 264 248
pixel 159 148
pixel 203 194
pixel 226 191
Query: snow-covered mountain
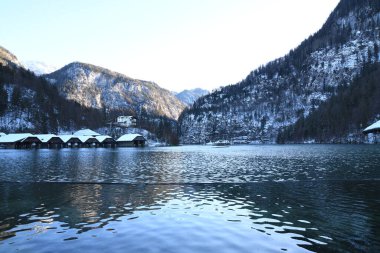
pixel 30 104
pixel 97 87
pixel 81 95
pixel 8 59
pixel 39 68
pixel 189 96
pixel 279 93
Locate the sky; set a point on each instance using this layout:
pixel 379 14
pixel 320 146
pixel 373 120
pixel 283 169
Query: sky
pixel 179 44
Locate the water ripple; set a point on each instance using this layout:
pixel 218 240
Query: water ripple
pixel 190 218
pixel 200 164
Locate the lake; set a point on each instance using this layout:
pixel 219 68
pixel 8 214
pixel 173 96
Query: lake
pixel 259 198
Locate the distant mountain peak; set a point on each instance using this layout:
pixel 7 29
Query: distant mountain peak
pixel 39 68
pixel 190 96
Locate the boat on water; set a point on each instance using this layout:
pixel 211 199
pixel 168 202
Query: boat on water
pixel 220 143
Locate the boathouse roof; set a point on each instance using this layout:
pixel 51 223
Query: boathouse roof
pixel 130 137
pixel 44 138
pixel 86 132
pixel 102 138
pixel 10 138
pixel 372 128
pixel 87 139
pixel 67 137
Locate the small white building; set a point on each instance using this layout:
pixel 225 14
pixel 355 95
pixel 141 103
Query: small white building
pixel 126 121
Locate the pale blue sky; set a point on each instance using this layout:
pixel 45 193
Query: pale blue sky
pixel 179 44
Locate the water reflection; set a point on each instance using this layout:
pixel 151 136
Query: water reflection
pixel 336 216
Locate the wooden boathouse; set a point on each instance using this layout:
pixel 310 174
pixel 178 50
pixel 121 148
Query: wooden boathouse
pixel 106 141
pixel 87 138
pixel 24 140
pixel 88 141
pixel 374 128
pixel 373 132
pixel 70 141
pixel 81 139
pixel 131 140
pixel 50 141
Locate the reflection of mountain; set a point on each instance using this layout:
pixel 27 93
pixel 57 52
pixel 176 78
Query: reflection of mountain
pixel 318 216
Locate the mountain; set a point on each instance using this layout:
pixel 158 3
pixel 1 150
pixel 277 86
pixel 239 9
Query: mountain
pixel 276 95
pixel 100 88
pixel 189 96
pixel 30 104
pixel 8 59
pixel 39 68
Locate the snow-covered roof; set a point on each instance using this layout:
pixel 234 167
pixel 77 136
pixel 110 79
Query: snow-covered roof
pixel 86 132
pixel 101 138
pixel 67 137
pixel 46 137
pixel 83 139
pixel 15 137
pixel 374 126
pixel 129 137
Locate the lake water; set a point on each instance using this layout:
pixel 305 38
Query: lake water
pixel 264 198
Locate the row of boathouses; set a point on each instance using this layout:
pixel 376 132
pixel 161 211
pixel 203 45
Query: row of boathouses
pixel 81 139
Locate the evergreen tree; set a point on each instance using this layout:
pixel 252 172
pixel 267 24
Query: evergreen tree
pixel 16 96
pixel 3 100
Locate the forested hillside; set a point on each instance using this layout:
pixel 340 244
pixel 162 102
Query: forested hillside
pixel 341 118
pixel 30 103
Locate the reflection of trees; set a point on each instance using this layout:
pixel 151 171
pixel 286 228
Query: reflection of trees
pixel 79 206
